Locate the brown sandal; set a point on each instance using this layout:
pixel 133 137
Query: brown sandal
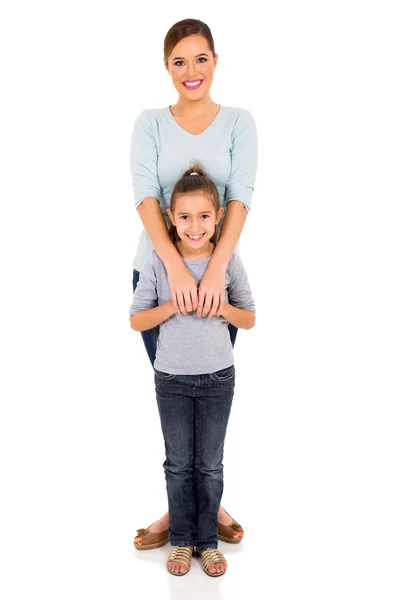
pixel 181 555
pixel 230 533
pixel 149 540
pixel 211 557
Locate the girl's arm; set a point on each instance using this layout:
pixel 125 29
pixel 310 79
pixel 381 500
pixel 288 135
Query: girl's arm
pixel 239 317
pixel 147 319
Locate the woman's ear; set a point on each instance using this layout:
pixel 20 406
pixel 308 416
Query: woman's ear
pixel 215 60
pixel 220 212
pixel 171 218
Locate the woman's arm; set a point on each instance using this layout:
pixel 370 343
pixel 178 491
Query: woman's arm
pixel 239 190
pixel 182 284
pixel 212 286
pixel 147 319
pixel 239 317
pixel 146 185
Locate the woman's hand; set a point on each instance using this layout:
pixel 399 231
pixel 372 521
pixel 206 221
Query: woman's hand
pixel 212 291
pixel 183 289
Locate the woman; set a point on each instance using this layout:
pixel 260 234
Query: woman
pixel 164 143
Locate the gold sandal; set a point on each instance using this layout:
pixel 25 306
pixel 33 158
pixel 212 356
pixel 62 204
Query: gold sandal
pixel 212 557
pixel 181 555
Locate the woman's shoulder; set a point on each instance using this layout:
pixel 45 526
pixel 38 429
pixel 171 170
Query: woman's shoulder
pixel 240 118
pixel 152 115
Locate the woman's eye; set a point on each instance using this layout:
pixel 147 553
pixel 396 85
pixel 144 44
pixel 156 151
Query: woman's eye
pixel 178 63
pixel 202 59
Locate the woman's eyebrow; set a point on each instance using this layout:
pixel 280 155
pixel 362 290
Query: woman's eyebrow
pixel 197 56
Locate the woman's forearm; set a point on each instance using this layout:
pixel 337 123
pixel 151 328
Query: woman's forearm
pixel 156 228
pixel 147 319
pixel 232 226
pixel 239 317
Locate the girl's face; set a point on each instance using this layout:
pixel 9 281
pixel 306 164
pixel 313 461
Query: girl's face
pixel 191 65
pixel 195 219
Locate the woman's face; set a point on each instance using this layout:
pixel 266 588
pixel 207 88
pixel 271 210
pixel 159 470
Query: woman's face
pixel 191 65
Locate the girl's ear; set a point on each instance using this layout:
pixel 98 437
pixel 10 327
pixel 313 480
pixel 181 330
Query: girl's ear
pixel 220 212
pixel 171 218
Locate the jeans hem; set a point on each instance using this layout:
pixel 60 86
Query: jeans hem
pixel 201 547
pixel 181 543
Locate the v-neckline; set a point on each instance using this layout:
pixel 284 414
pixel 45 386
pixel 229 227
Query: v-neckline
pixel 188 132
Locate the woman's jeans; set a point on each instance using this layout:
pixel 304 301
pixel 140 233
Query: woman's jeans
pixel 194 412
pixel 150 336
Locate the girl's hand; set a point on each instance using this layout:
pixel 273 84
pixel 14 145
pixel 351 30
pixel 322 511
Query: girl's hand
pixel 183 289
pixel 212 292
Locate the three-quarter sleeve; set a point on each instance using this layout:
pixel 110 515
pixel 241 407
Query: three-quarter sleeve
pixel 145 295
pixel 239 292
pixel 143 160
pixel 244 153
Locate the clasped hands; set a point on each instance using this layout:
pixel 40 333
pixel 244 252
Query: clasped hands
pixel 207 300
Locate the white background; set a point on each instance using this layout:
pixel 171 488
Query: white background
pixel 311 460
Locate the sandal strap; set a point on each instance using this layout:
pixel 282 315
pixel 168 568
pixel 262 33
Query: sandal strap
pixel 211 557
pixel 181 554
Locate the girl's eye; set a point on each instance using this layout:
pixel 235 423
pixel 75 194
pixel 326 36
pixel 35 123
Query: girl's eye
pixel 205 216
pixel 184 217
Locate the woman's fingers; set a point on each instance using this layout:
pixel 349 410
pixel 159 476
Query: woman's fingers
pixel 214 306
pixel 188 301
pixel 181 303
pixel 200 304
pixel 195 297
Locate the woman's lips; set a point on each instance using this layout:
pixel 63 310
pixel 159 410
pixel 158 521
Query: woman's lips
pixel 193 84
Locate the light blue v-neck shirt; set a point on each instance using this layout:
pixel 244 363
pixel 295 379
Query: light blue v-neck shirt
pixel 162 150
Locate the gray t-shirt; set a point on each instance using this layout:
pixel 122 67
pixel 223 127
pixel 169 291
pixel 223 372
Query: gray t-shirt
pixel 187 344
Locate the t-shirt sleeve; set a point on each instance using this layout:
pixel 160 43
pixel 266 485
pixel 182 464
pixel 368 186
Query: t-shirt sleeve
pixel 145 295
pixel 239 292
pixel 143 160
pixel 240 185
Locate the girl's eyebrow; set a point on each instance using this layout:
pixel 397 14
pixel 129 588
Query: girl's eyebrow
pixel 197 56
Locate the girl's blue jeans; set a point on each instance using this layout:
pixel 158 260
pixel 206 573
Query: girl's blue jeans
pixel 194 412
pixel 150 336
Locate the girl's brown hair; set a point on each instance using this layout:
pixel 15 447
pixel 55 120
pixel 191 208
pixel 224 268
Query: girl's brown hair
pixel 183 29
pixel 193 180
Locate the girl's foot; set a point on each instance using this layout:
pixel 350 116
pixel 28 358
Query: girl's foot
pixel 214 562
pixel 179 560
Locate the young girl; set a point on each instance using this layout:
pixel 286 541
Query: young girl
pixel 194 372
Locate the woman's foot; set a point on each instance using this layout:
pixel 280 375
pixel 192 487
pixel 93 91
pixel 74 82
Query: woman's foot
pixel 226 520
pixel 145 540
pixel 179 560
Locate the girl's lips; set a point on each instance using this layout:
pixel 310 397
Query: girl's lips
pixel 195 240
pixel 189 86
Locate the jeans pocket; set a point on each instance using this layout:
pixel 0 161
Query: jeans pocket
pixel 224 374
pixel 164 376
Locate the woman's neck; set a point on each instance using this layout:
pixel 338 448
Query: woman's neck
pixel 188 108
pixel 190 254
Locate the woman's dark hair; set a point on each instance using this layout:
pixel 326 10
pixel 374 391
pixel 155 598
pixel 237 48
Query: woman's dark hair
pixel 183 29
pixel 193 180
